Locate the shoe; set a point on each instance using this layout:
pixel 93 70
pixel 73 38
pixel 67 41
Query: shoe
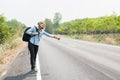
pixel 33 71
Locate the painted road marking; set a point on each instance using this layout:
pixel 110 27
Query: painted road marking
pixel 4 73
pixel 38 69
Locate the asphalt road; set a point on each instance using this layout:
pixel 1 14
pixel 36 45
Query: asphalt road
pixel 69 59
pixel 19 68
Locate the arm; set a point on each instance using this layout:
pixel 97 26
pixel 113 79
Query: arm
pixel 31 31
pixel 52 36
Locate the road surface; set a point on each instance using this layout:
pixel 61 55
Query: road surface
pixel 69 59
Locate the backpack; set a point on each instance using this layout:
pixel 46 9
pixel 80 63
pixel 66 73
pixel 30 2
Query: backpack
pixel 26 37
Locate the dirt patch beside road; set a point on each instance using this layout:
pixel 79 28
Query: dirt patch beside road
pixel 10 54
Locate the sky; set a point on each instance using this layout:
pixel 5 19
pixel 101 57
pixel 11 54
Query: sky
pixel 30 12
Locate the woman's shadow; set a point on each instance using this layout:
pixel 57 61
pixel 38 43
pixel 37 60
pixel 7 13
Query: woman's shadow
pixel 21 76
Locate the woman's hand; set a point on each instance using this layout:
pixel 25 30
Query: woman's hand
pixel 34 33
pixel 58 38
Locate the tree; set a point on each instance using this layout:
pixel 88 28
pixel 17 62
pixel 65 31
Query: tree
pixel 9 29
pixel 56 20
pixel 100 25
pixel 4 29
pixel 14 23
pixel 49 25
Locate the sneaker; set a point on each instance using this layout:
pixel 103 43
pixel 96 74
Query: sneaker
pixel 33 71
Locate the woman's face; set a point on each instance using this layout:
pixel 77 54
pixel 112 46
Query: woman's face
pixel 42 26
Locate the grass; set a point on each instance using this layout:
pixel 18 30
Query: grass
pixel 9 51
pixel 113 39
pixel 11 44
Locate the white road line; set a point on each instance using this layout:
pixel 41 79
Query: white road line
pixel 3 74
pixel 38 69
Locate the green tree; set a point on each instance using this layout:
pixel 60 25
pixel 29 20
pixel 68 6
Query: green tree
pixel 4 30
pixel 100 25
pixel 15 23
pixel 57 18
pixel 10 29
pixel 49 25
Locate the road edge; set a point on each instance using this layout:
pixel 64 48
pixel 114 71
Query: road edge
pixel 4 70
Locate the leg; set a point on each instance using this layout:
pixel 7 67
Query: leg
pixel 32 55
pixel 35 53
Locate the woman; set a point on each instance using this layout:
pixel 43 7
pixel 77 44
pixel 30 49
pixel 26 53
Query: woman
pixel 33 44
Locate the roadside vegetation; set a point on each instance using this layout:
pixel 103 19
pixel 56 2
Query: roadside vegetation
pixel 113 39
pixel 104 29
pixel 10 33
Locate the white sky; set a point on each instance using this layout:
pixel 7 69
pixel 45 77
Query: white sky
pixel 32 11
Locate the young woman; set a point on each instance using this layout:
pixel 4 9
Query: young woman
pixel 33 44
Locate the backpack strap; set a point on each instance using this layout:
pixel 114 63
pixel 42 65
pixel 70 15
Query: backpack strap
pixel 37 30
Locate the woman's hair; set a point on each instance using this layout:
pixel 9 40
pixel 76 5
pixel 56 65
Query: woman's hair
pixel 41 22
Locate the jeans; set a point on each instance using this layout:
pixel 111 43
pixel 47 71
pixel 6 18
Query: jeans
pixel 33 52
